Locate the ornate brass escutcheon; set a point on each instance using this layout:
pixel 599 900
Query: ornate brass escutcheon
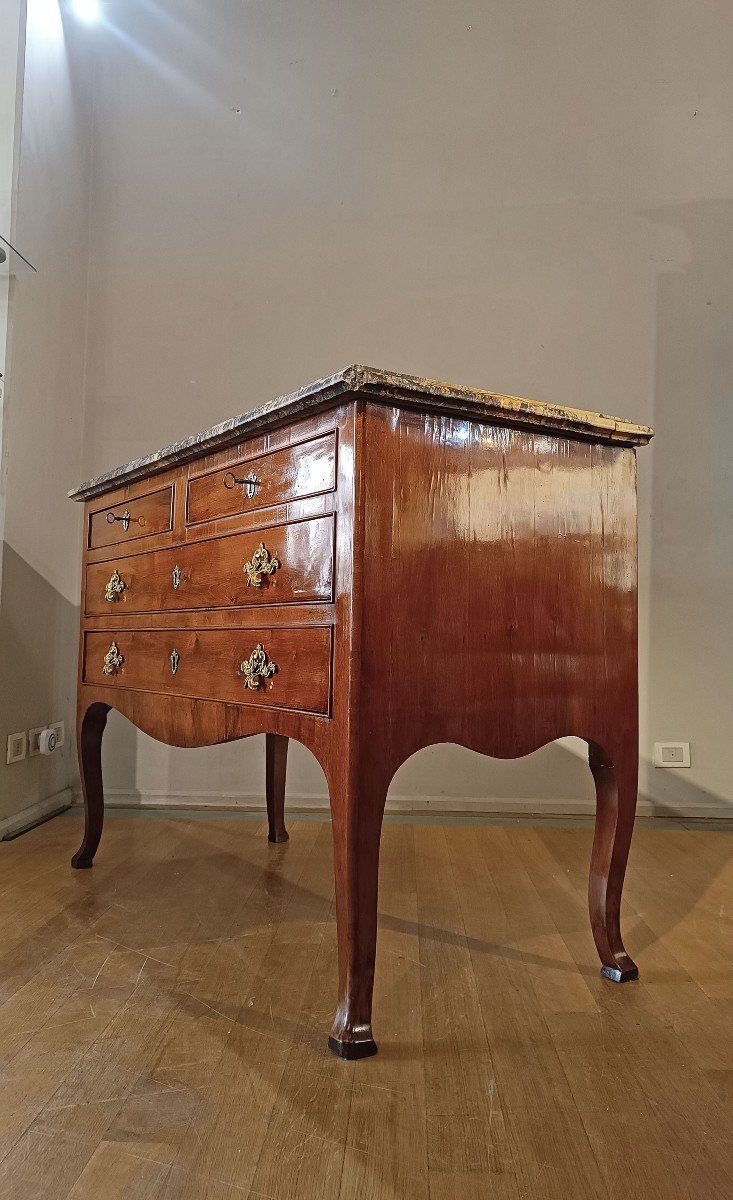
pixel 115 587
pixel 176 576
pixel 259 565
pixel 113 660
pixel 175 659
pixel 256 668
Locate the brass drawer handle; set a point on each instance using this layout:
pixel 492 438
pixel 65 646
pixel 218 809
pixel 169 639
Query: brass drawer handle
pixel 256 668
pixel 250 482
pixel 125 519
pixel 114 587
pixel 259 565
pixel 113 660
pixel 176 576
pixel 174 661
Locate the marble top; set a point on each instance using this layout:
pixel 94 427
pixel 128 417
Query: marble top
pixel 407 391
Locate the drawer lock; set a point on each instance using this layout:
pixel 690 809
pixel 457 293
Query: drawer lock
pixel 125 519
pixel 175 659
pixel 256 668
pixel 176 577
pixel 250 482
pixel 260 565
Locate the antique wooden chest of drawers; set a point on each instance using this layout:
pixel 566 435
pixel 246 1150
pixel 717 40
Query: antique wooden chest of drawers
pixel 372 565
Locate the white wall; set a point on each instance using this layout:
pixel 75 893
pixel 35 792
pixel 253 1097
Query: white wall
pixel 11 48
pixel 533 197
pixel 42 419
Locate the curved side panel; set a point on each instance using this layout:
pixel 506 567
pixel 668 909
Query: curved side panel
pixel 178 721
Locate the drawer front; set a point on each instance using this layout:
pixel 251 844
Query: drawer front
pixel 280 565
pixel 277 668
pixel 288 474
pixel 141 517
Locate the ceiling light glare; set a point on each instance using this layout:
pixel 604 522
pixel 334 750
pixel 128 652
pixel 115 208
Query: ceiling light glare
pixel 86 10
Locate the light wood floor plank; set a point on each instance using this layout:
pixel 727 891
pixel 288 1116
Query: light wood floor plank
pixel 163 1018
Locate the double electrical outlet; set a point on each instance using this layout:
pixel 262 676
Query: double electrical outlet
pixel 45 739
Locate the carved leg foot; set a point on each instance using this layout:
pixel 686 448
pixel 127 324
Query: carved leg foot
pixel 90 728
pixel 357 824
pixel 616 788
pixel 276 757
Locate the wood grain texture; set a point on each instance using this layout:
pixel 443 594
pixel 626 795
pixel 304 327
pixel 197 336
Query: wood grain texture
pixel 162 1018
pixel 288 474
pixel 212 572
pixel 147 514
pixel 209 664
pixel 484 593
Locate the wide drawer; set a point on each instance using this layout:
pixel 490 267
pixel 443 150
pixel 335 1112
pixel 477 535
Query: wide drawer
pixel 141 517
pixel 277 668
pixel 280 565
pixel 292 473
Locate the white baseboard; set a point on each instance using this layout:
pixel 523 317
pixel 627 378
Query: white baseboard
pixel 35 813
pixel 510 805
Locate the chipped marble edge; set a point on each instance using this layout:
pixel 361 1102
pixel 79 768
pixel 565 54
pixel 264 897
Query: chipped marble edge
pixel 386 385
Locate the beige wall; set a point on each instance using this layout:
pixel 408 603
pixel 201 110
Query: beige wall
pixel 529 197
pixel 42 421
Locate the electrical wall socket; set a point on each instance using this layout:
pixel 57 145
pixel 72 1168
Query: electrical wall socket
pixel 671 754
pixel 60 734
pixel 34 734
pixel 16 747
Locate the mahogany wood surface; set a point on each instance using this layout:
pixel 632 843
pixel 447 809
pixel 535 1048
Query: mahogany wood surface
pixel 276 758
pixel 484 593
pixel 286 474
pixel 148 514
pixel 211 573
pixel 206 663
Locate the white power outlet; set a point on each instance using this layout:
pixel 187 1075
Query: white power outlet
pixel 671 754
pixel 58 728
pixel 16 748
pixel 34 735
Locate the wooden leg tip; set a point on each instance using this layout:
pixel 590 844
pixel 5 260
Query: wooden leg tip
pixel 80 863
pixel 616 975
pixel 277 838
pixel 352 1050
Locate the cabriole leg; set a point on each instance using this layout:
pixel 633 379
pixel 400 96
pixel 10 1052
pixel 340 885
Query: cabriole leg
pixel 616 789
pixel 357 811
pixel 276 758
pixel 90 728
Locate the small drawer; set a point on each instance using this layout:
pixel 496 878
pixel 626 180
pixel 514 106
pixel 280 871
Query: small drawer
pixel 284 564
pixel 274 668
pixel 141 517
pixel 288 474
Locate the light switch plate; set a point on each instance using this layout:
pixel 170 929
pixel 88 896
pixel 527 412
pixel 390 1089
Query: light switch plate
pixel 16 748
pixel 671 754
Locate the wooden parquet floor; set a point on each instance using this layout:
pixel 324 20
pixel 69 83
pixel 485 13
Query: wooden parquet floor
pixel 163 1018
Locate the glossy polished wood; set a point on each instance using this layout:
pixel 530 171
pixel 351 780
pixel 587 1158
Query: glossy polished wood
pixel 148 514
pixel 211 574
pixel 484 593
pixel 276 757
pixel 289 474
pixel 207 664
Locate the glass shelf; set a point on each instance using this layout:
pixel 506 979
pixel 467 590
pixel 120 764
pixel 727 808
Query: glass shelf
pixel 12 262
